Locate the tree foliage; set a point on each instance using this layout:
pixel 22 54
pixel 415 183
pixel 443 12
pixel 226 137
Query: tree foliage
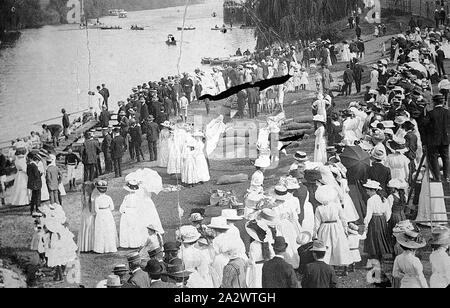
pixel 288 20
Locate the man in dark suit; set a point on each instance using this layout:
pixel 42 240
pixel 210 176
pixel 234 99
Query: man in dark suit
pixel 253 100
pixel 440 57
pixel 138 277
pixel 379 172
pixel 118 148
pixel 34 183
pixel 106 149
pixel 89 153
pixel 319 275
pixel 152 138
pixel 348 80
pixel 105 93
pixel 437 124
pixel 277 273
pixel 136 140
pixel 357 74
pixel 155 269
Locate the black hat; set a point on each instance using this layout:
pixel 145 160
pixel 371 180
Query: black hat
pixel 154 267
pixel 177 269
pixel 279 243
pixel 154 252
pixel 171 246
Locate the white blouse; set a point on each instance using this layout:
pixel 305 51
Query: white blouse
pixel 376 206
pixel 103 202
pixel 409 269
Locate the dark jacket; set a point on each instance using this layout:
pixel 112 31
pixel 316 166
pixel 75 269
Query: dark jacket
pixel 348 76
pixel 437 124
pixel 319 275
pixel 278 274
pixel 118 147
pixel 106 145
pixel 411 144
pixel 144 112
pixel 34 177
pixel 136 134
pixel 90 151
pixel 65 121
pixel 104 118
pixel 440 56
pixel 140 279
pixel 152 131
pixel 380 173
pixel 2 164
pixel 357 72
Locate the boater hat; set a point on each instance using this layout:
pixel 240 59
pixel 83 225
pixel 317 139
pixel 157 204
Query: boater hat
pixel 120 269
pixel 132 186
pixel 372 185
pixel 219 223
pixel 268 216
pixel 154 252
pixel 113 281
pixel 300 156
pixel 319 245
pixel 411 239
pixel 189 234
pixel 280 193
pixel 134 257
pixel 397 145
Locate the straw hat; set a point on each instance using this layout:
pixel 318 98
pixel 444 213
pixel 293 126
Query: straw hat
pixel 231 214
pixel 132 186
pixel 291 183
pixel 268 216
pixel 166 124
pixel 319 245
pixel 256 230
pixel 280 193
pixel 319 118
pixel 378 154
pixel 400 120
pixel 189 234
pixel 441 236
pixel 372 185
pixel 113 281
pixel 134 257
pixel 397 144
pixel 102 186
pixel 366 145
pixel 120 269
pixel 300 156
pixel 398 184
pixel 411 239
pixel 403 226
pixel 196 217
pixel 219 223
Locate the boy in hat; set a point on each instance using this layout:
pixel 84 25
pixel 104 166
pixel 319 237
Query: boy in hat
pixel 319 275
pixel 138 277
pixel 53 178
pixel 277 273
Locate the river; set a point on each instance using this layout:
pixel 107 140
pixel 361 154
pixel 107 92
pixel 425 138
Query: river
pixel 48 68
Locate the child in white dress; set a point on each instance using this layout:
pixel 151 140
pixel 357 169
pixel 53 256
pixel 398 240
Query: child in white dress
pixel 105 234
pixel 353 240
pixel 189 174
pixel 304 82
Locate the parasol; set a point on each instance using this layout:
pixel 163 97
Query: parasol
pixel 148 179
pixel 356 160
pixel 418 67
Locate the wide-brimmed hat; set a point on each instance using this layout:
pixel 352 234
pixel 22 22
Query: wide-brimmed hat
pixel 268 216
pixel 300 156
pixel 196 217
pixel 388 124
pixel 372 185
pixel 280 192
pixel 154 267
pixel 398 184
pixel 256 230
pixel 113 281
pixel 219 223
pixel 378 154
pixel 291 183
pixel 397 144
pixel 410 239
pixel 326 194
pixel 366 145
pixel 403 226
pixel 401 119
pixel 231 214
pixel 166 124
pixel 319 245
pixel 132 186
pixel 120 269
pixel 279 243
pixel 440 236
pixel 319 118
pixel 134 257
pixel 262 162
pixel 154 252
pixel 102 185
pixel 189 234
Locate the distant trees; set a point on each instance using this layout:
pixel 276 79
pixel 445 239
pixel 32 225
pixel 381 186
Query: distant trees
pixel 288 20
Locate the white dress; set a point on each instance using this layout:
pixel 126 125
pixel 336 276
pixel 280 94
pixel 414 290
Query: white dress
pixel 256 259
pixel 304 78
pixel 105 234
pixel 320 148
pixel 44 190
pixel 409 269
pixel 220 259
pixel 163 152
pixel 440 267
pixel 308 216
pixel 353 241
pixel 200 162
pixel 329 227
pixel 374 75
pixel 133 233
pixel 399 165
pixel 345 53
pixel 349 130
pixel 176 144
pixel 189 171
pixel 147 211
pixel 193 261
pixel 61 249
pixel 19 194
pixel 289 228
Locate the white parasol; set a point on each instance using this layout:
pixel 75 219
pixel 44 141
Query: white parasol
pixel 148 179
pixel 418 67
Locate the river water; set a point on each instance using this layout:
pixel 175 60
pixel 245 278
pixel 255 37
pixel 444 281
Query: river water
pixel 48 68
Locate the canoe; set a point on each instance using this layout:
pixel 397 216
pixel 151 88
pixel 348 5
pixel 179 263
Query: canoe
pixel 186 29
pixel 206 60
pixel 110 28
pixel 247 27
pixel 138 28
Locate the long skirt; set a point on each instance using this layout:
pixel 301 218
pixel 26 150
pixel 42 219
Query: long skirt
pixel 396 217
pixel 378 242
pixel 338 253
pixel 359 200
pixel 87 232
pixel 19 194
pixel 163 153
pixel 105 232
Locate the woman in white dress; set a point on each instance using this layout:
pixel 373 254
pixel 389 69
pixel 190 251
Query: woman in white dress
pixel 19 194
pixel 320 146
pixel 45 196
pixel 397 161
pixel 407 267
pixel 345 52
pixel 175 150
pixel 330 227
pixel 163 151
pixel 439 258
pixel 189 171
pixel 133 233
pixel 259 252
pixel 105 235
pixel 200 160
pixel 349 129
pixel 374 75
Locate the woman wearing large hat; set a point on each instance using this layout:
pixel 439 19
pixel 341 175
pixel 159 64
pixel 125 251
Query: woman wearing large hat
pixel 133 233
pixel 397 161
pixel 320 146
pixel 220 227
pixel 439 258
pixel 407 267
pixel 19 193
pixel 163 150
pixel 105 234
pixel 331 225
pixel 377 243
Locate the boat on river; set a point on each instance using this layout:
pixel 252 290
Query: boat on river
pixel 171 40
pixel 190 28
pixel 123 14
pixel 232 60
pixel 137 28
pixel 111 28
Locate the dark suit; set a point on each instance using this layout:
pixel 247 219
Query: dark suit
pixel 440 57
pixel 348 80
pixel 152 139
pixel 253 100
pixel 437 124
pixel 105 93
pixel 380 173
pixel 278 274
pixel 139 279
pixel 319 275
pixel 136 142
pixel 357 73
pixel 106 149
pixel 118 148
pixel 34 184
pixel 89 153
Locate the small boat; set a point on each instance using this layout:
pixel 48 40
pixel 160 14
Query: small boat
pixel 137 28
pixel 186 28
pixel 123 14
pixel 111 28
pixel 206 60
pixel 113 12
pixel 171 40
pixel 247 27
